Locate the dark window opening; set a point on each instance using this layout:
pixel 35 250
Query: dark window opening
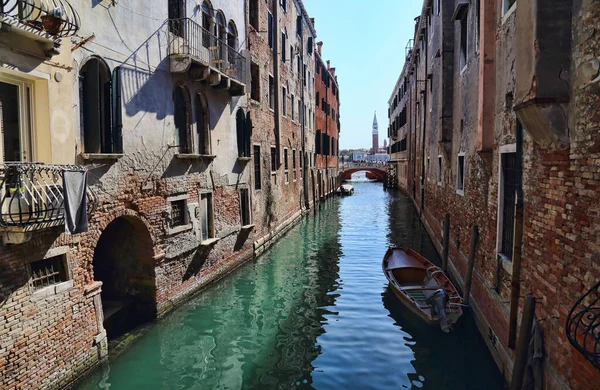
pixel 294 163
pixel 271 93
pixel 318 142
pixel 245 206
pixel 255 76
pixel 178 213
pixel 206 216
pixel 48 272
pixel 202 125
pixel 254 14
pixel 283 46
pixel 257 172
pixel 510 182
pixel 463 40
pixel 244 132
pixel 273 159
pixel 100 105
pixel 286 166
pixel 176 15
pixel 270 30
pixel 460 174
pixel 182 119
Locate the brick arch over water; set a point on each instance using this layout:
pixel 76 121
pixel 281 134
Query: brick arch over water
pixel 378 174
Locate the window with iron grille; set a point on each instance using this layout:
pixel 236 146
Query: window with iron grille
pixel 257 174
pixel 178 215
pixel 48 272
pixel 509 188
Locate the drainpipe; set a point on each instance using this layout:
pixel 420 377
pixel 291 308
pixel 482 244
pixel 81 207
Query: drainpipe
pixel 517 242
pixel 424 125
pixel 415 115
pixel 277 82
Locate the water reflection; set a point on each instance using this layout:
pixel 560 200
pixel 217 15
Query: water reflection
pixel 313 312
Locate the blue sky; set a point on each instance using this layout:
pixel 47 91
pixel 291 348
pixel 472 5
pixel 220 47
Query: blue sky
pixel 365 42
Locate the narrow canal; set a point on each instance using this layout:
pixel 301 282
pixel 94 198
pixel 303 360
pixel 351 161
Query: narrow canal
pixel 313 312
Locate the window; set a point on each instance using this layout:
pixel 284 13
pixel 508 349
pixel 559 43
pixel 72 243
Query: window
pixel 273 160
pixel 284 101
pixel 439 6
pixel 509 185
pixel 300 114
pixel 428 168
pixel 257 173
pixel 294 163
pixel 292 106
pixel 283 46
pixel 283 5
pixel 299 25
pixel 304 76
pixel 439 172
pixel 202 125
pixel 244 132
pixel 178 213
pixel 477 25
pixel 100 105
pixel 318 142
pixel 207 23
pixel 48 272
pixel 245 206
pixel 299 62
pixel 309 45
pixel 460 174
pixel 255 76
pixel 181 100
pixel 206 216
pixel 271 93
pixel 333 112
pixel 464 31
pixel 254 14
pixel 231 37
pixel 176 14
pixel 317 99
pixel 15 98
pixel 270 30
pixel 507 5
pixel 285 167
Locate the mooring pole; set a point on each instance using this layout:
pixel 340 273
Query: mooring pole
pixel 471 264
pixel 446 240
pixel 523 343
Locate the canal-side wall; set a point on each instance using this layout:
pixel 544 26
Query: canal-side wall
pixel 497 86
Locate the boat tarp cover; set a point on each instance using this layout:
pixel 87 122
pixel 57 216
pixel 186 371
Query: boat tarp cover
pixel 400 259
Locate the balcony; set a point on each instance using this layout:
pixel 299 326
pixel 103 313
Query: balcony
pixel 208 58
pixel 583 325
pixel 44 21
pixel 31 198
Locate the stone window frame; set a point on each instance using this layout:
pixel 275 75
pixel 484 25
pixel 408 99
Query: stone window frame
pixel 57 288
pixel 506 263
pixel 211 217
pixel 460 191
pixel 248 208
pixel 284 101
pixel 464 67
pixel 286 171
pixel 271 93
pixel 188 223
pixel 259 182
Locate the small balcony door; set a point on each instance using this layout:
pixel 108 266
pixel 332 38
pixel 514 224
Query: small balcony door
pixel 15 119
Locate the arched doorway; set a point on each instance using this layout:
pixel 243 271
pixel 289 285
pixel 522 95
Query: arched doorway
pixel 122 262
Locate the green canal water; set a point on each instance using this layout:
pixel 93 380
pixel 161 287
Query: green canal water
pixel 313 312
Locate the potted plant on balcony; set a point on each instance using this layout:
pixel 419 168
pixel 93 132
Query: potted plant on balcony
pixel 51 22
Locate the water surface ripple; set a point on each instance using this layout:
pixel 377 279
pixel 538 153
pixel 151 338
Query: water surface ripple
pixel 313 312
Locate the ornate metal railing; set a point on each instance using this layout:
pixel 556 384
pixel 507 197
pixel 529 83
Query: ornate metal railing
pixel 583 325
pixel 189 38
pixel 56 17
pixel 31 194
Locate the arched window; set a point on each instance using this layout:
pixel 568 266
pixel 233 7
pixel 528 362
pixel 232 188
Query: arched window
pixel 202 125
pixel 100 107
pixel 221 28
pixel 232 34
pixel 207 23
pixel 181 100
pixel 244 132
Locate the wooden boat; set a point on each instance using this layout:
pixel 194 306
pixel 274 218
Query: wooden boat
pixel 422 287
pixel 346 189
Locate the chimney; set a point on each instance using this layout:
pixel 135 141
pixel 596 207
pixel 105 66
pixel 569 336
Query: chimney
pixel 328 64
pixel 332 71
pixel 319 44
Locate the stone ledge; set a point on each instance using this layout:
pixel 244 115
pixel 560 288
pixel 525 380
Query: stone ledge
pixel 209 242
pixel 101 156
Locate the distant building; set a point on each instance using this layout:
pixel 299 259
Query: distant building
pixel 375 147
pixel 358 156
pixel 378 157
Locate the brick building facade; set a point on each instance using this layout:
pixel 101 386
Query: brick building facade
pixel 492 117
pixel 327 125
pixel 159 106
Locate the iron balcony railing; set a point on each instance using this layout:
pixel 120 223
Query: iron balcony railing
pixel 55 17
pixel 190 39
pixel 32 194
pixel 583 325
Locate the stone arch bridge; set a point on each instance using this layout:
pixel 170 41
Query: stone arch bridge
pixel 374 170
